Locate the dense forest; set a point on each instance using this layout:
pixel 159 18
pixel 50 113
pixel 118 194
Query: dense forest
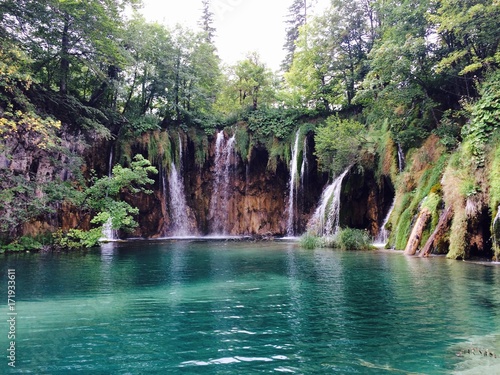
pixel 408 89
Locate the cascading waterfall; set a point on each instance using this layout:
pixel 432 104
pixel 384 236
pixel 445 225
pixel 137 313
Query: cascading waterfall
pixel 496 228
pixel 178 206
pixel 401 158
pixel 325 220
pixel 108 233
pixel 224 152
pixel 383 234
pixel 304 166
pixel 110 162
pixel 290 225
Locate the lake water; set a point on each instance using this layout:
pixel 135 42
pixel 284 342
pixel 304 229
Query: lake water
pixel 249 308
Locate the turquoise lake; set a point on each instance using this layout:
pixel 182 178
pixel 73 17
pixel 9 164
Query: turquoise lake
pixel 192 307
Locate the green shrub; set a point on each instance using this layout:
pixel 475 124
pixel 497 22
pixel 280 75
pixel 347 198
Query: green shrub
pixel 23 243
pixel 338 143
pixel 77 239
pixel 353 239
pixel 242 141
pixel 485 118
pixel 310 241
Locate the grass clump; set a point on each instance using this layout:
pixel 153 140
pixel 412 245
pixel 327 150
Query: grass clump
pixel 310 241
pixel 345 239
pixel 353 239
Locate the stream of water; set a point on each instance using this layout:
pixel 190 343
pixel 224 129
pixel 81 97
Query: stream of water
pixel 249 308
pixel 292 188
pixel 223 166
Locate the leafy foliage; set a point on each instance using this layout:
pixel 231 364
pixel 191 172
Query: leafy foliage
pixel 310 242
pixel 353 239
pixel 273 122
pixel 485 118
pixel 102 199
pixel 338 143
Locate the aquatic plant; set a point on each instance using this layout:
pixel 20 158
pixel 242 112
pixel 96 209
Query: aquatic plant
pixel 353 239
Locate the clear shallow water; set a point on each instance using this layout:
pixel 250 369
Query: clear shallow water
pixel 246 308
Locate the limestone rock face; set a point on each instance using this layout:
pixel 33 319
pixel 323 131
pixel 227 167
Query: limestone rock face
pixel 254 203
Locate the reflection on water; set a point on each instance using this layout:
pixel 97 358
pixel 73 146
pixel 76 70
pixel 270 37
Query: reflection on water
pixel 246 308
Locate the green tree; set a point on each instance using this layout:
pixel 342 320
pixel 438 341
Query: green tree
pixel 401 84
pixel 307 83
pixel 250 84
pixel 207 21
pixel 174 75
pixel 297 17
pixel 338 143
pixel 469 39
pixel 330 59
pixel 69 39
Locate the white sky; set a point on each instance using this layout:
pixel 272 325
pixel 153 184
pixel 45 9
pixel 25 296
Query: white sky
pixel 241 26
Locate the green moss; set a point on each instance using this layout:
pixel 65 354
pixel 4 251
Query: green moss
pixel 201 145
pixel 156 144
pixel 494 178
pixel 276 152
pixel 494 189
pixel 159 149
pixel 410 203
pixel 242 141
pixel 458 235
pixel 403 228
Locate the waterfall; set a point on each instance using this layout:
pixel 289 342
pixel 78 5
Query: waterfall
pixel 110 162
pixel 178 206
pixel 290 229
pixel 328 209
pixel 401 158
pixel 383 234
pixel 219 214
pixel 495 229
pixel 108 233
pixel 303 168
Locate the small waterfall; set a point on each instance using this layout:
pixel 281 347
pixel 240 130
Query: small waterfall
pixel 110 162
pixel 325 220
pixel 383 234
pixel 401 158
pixel 108 233
pixel 178 206
pixel 304 166
pixel 496 229
pixel 290 225
pixel 224 152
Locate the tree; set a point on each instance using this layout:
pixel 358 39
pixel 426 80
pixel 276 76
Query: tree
pixel 297 17
pixel 66 38
pixel 174 74
pixel 206 22
pixel 329 61
pixel 307 83
pixel 469 39
pixel 401 84
pixel 338 143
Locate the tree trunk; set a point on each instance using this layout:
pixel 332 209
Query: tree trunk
pixel 130 93
pixel 439 232
pixel 416 233
pixel 64 65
